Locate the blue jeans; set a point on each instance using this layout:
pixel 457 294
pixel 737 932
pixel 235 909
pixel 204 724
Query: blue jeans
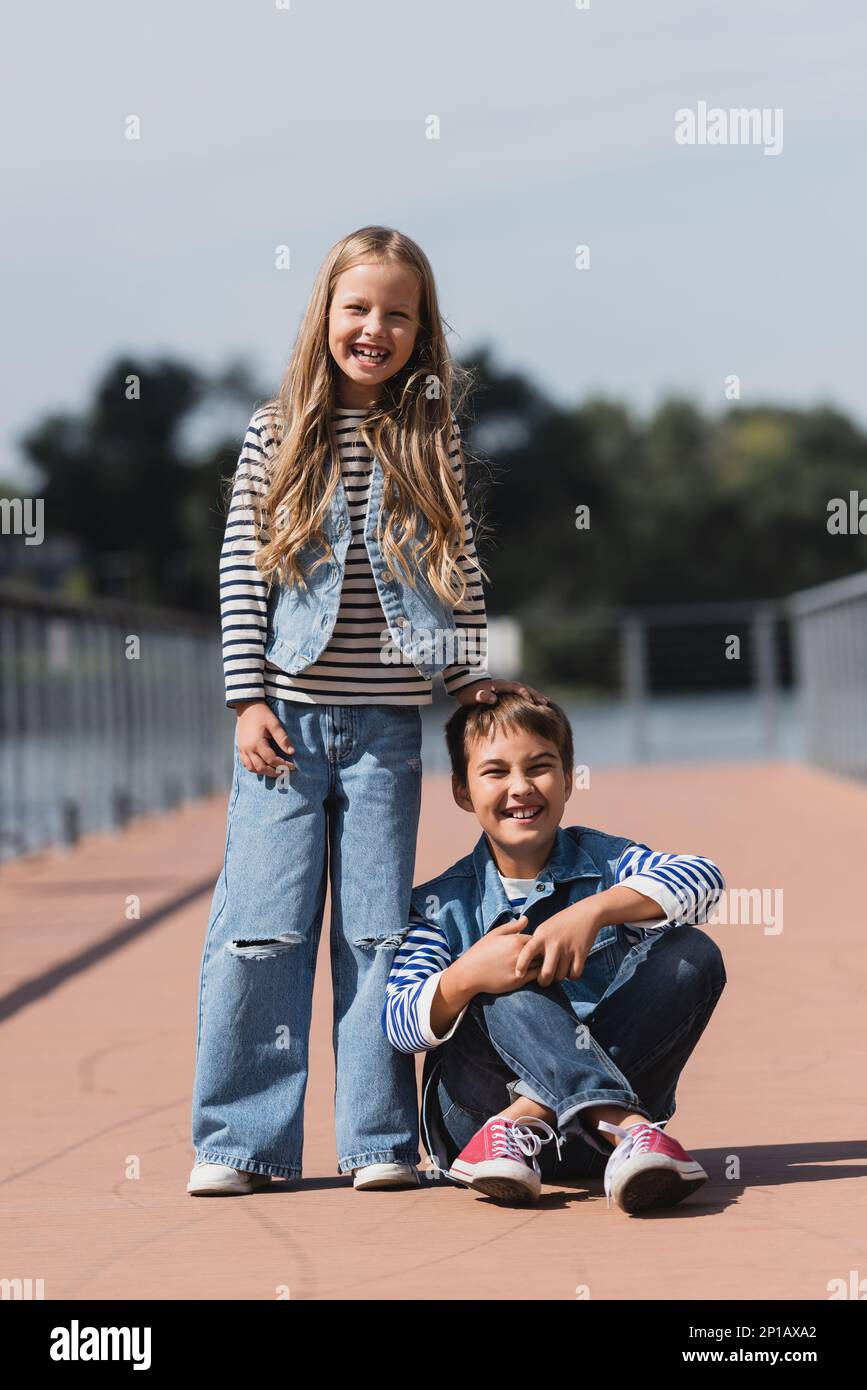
pixel 628 1051
pixel 351 807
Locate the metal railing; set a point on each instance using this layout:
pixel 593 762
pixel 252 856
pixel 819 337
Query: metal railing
pixel 109 710
pixel 653 630
pixel 669 681
pixel 830 630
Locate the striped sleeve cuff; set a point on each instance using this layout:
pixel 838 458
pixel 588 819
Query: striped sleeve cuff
pixel 455 678
pixel 423 1003
pixel 652 888
pixel 253 690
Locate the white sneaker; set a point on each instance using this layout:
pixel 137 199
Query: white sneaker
pixel 376 1175
pixel 218 1180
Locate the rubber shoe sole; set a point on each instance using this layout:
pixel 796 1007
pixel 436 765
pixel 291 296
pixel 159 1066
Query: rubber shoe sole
pixel 500 1178
pixel 645 1190
pixel 377 1177
pixel 222 1181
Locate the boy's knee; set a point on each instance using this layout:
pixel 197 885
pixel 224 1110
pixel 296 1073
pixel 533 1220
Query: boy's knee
pixel 704 956
pixel 484 1007
pixel 528 999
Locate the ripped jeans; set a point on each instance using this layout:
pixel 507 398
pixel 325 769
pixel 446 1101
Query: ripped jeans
pixel 351 808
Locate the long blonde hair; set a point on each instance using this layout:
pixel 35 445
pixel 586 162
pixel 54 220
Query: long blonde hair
pixel 408 430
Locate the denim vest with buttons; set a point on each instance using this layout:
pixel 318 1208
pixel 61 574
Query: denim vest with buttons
pixel 301 620
pixel 469 899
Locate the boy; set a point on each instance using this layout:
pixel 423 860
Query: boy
pixel 553 979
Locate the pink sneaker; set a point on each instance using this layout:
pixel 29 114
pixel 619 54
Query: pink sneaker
pixel 648 1168
pixel 500 1159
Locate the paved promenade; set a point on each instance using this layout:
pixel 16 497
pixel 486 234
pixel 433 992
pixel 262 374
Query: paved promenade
pixel 98 1020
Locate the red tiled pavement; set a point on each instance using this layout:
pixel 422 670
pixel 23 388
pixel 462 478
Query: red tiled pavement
pixel 102 1055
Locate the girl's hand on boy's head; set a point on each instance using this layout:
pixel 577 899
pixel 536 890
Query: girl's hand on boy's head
pixel 486 692
pixel 256 723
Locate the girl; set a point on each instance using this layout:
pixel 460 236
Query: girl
pixel 349 578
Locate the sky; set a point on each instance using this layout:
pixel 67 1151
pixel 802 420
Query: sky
pixel 265 124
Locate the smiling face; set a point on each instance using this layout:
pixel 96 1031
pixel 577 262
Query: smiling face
pixel 373 321
pixel 517 789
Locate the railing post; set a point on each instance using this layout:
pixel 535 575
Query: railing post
pixel 70 822
pixel 633 668
pixel 765 674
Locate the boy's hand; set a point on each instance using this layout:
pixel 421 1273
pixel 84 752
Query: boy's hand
pixel 256 721
pixel 488 967
pixel 486 692
pixel 558 949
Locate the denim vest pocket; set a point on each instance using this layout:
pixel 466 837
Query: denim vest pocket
pixel 600 968
pixel 296 621
pixel 625 941
pixel 433 640
pixel 633 935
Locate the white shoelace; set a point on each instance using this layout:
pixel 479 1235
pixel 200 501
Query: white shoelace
pixel 630 1143
pixel 518 1138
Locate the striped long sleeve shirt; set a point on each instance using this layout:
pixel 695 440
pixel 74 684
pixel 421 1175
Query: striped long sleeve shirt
pixel 686 886
pixel 349 670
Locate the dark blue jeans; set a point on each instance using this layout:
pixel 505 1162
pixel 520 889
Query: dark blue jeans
pixel 629 1049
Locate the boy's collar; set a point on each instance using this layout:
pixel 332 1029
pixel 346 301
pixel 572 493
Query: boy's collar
pixel 567 861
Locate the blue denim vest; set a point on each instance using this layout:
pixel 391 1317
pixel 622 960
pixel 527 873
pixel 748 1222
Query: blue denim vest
pixel 468 900
pixel 301 621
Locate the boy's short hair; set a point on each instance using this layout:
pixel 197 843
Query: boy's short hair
pixel 471 722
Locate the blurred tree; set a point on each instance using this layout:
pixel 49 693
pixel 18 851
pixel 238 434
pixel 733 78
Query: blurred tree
pixel 682 506
pixel 120 478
